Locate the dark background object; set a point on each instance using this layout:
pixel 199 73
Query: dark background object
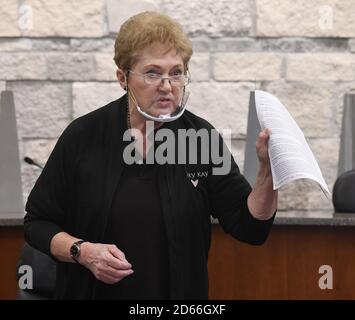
pixel 11 198
pixel 44 274
pixel 344 186
pixel 344 192
pixel 347 139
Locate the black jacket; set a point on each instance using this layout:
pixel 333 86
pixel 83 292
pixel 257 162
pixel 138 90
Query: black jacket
pixel 75 191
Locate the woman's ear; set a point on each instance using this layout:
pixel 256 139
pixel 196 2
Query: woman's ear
pixel 122 79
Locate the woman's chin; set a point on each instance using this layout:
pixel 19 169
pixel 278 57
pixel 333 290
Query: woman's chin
pixel 164 109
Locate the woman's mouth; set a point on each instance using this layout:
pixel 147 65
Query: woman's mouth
pixel 164 103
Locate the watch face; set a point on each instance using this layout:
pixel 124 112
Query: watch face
pixel 74 250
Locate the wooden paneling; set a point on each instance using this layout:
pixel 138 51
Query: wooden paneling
pixel 11 242
pixel 286 266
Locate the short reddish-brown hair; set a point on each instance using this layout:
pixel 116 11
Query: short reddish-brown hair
pixel 144 29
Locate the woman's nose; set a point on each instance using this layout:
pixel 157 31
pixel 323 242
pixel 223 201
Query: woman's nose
pixel 165 84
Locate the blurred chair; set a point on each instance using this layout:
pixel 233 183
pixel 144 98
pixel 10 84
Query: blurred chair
pixel 343 193
pixel 347 139
pixel 344 187
pixel 11 198
pixel 44 274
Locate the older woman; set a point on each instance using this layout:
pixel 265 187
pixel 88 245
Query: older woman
pixel 123 230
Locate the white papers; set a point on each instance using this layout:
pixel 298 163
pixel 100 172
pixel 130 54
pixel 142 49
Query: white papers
pixel 290 156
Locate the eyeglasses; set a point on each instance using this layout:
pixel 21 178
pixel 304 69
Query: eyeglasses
pixel 175 80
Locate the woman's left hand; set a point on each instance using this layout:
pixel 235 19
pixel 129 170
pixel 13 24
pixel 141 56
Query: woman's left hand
pixel 262 201
pixel 262 146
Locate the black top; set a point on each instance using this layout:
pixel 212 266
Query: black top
pixel 136 227
pixel 77 187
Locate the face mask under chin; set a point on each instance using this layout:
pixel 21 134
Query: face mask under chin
pixel 164 117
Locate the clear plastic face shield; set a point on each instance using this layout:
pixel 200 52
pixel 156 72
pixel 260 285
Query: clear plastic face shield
pixel 179 81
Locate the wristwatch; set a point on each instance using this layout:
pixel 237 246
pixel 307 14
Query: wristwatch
pixel 75 250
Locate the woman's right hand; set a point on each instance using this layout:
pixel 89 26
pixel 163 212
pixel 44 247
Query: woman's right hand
pixel 105 261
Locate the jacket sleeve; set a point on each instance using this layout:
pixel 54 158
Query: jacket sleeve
pixel 46 207
pixel 228 199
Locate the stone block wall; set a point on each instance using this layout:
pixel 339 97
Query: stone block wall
pixel 56 56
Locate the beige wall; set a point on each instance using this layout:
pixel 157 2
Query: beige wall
pixel 56 55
